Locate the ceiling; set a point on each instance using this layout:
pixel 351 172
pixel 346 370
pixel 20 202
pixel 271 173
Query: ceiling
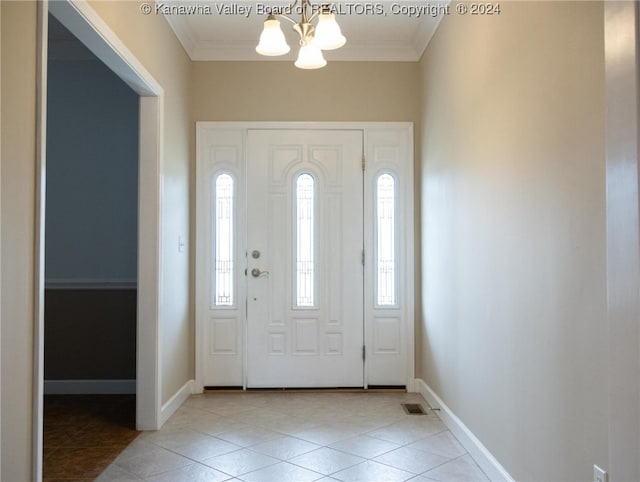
pixel 382 31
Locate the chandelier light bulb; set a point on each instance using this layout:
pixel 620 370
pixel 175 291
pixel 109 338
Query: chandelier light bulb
pixel 310 57
pixel 327 34
pixel 272 41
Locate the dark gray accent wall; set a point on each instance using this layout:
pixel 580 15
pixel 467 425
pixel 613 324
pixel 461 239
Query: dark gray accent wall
pixel 90 334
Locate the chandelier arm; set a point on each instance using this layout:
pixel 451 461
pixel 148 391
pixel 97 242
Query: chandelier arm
pixel 291 7
pixel 287 18
pixel 315 14
pixel 324 8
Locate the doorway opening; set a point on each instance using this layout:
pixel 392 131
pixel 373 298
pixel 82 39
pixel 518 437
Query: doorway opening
pixel 91 227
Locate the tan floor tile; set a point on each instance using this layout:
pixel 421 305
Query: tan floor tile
pixel 462 469
pixel 191 473
pixel 326 461
pixel 443 443
pixel 411 460
pixel 370 471
pixel 153 463
pixel 282 472
pixel 364 446
pixel 324 434
pixel 285 447
pixel 240 462
pixel 248 436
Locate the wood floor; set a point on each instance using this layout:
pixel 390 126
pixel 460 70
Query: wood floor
pixel 83 434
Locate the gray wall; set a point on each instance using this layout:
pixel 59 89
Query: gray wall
pixel 92 174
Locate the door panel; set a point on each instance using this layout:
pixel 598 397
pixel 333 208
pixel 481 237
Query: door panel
pixel 305 301
pixel 221 342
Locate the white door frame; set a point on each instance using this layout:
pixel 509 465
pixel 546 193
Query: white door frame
pixel 203 196
pixel 79 18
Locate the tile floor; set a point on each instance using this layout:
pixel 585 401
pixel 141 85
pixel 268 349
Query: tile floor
pixel 298 437
pixel 83 434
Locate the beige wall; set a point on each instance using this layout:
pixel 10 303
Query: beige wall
pixel 154 44
pixel 278 91
pixel 513 224
pixel 18 198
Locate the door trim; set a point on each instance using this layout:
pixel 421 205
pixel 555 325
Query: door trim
pixel 202 197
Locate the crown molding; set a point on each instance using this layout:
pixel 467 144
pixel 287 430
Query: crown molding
pixel 199 50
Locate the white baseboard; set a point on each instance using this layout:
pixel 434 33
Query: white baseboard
pixel 89 387
pixel 484 458
pixel 411 385
pixel 175 402
pixel 90 284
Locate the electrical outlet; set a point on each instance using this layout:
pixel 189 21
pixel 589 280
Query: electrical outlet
pixel 599 475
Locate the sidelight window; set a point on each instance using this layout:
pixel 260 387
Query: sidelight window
pixel 224 241
pixel 385 241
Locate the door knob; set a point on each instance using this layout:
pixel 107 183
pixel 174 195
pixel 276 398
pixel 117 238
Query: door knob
pixel 256 273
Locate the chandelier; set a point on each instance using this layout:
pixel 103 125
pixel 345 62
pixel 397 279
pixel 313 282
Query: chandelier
pixel 326 35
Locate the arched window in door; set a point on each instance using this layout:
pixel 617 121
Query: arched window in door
pixel 305 248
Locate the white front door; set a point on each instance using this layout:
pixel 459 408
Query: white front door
pixel 298 202
pixel 304 258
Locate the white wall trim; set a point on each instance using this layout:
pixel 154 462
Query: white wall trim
pixel 622 122
pixel 489 464
pixel 89 387
pixel 176 401
pixel 82 21
pixel 39 239
pixel 0 247
pixel 90 284
pixel 313 125
pixel 150 267
pixel 412 385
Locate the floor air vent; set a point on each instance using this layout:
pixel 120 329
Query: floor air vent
pixel 413 409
